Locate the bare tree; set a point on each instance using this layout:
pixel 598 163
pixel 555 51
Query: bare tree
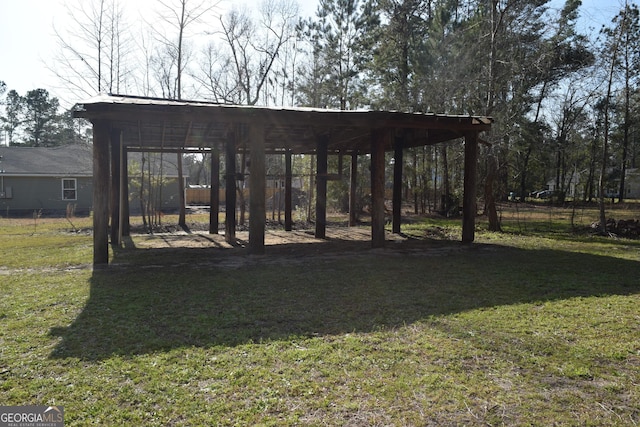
pixel 180 15
pixel 217 76
pixel 240 68
pixel 174 53
pixel 145 80
pixel 93 50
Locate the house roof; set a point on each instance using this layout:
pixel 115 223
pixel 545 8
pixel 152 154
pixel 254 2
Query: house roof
pixel 67 160
pixel 64 160
pixel 161 124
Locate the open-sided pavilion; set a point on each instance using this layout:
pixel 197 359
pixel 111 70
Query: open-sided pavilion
pixel 122 124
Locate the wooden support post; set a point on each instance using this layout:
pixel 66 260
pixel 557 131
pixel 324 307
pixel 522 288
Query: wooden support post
pixel 353 188
pixel 126 223
pixel 322 145
pixel 101 139
pixel 397 183
pixel 257 189
pixel 115 142
pixel 469 209
pixel 288 187
pixel 377 188
pixel 182 215
pixel 214 195
pixel 121 191
pixel 230 189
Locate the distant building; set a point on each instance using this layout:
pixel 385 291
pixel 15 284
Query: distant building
pixel 45 179
pixel 54 180
pixel 574 186
pixel 632 184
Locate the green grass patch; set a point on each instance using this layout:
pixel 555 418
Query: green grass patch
pixel 45 242
pixel 514 330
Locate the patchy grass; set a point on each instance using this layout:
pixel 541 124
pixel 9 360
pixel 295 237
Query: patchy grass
pixel 519 329
pixel 45 242
pixel 542 217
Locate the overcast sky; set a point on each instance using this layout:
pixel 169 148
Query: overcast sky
pixel 26 42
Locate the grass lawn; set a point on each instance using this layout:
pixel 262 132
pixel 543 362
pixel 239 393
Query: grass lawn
pixel 527 327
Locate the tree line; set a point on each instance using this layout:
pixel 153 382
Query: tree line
pixel 35 119
pixel 564 98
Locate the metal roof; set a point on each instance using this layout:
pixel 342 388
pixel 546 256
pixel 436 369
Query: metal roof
pixel 162 124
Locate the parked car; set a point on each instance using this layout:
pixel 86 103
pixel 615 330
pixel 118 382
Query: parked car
pixel 543 194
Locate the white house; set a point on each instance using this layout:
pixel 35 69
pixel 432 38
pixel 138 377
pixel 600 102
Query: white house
pixel 632 184
pixel 574 184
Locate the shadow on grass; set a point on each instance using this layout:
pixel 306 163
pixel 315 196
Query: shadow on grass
pixel 137 310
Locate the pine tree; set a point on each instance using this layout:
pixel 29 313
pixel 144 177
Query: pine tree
pixel 14 115
pixel 40 113
pixel 628 66
pixel 399 52
pixel 340 40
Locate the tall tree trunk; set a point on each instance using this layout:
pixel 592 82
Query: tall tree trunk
pixel 627 119
pixel 489 194
pixel 605 143
pixel 590 191
pixel 99 41
pixel 558 166
pixel 523 174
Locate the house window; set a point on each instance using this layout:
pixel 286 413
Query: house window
pixel 69 189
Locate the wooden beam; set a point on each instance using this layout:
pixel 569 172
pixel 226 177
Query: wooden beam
pixel 469 208
pixel 322 143
pixel 378 137
pixel 185 150
pixel 230 188
pixel 101 140
pixel 257 189
pixel 397 183
pixel 288 188
pixel 214 195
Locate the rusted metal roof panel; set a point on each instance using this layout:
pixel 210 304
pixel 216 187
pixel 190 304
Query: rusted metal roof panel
pixel 162 124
